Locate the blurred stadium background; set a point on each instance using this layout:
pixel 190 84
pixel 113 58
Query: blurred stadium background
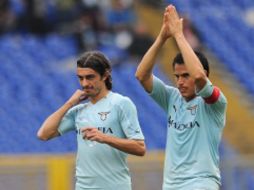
pixel 40 42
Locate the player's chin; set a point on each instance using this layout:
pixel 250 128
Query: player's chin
pixel 92 94
pixel 88 92
pixel 186 95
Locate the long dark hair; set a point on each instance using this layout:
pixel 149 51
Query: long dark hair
pixel 99 63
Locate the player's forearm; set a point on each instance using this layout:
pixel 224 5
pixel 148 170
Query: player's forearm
pixel 191 61
pixel 145 68
pixel 49 128
pixel 135 147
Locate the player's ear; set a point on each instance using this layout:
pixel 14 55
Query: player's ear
pixel 105 76
pixel 206 72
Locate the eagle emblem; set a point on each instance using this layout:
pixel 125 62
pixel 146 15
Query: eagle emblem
pixel 193 109
pixel 103 115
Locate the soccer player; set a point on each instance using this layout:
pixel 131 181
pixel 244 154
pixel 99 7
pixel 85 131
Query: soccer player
pixel 195 110
pixel 107 127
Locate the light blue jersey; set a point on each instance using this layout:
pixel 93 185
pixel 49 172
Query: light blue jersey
pixel 100 166
pixel 193 136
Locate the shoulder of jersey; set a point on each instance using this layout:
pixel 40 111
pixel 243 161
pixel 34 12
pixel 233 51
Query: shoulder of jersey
pixel 118 98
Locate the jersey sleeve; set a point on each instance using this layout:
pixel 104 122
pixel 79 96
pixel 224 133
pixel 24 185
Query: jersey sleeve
pixel 215 100
pixel 212 94
pixel 129 120
pixel 161 93
pixel 68 122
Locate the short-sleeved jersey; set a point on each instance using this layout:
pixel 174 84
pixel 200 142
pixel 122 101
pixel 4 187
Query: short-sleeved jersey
pixel 194 130
pixel 100 166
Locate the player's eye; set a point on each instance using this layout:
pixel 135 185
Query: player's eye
pixel 186 75
pixel 90 77
pixel 80 78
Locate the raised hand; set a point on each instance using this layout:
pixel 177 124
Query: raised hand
pixel 174 23
pixel 165 32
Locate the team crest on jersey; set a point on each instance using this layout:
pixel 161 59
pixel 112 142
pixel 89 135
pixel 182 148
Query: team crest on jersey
pixel 103 115
pixel 193 109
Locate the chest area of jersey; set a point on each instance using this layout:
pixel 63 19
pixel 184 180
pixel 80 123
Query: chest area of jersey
pixel 182 117
pixel 104 119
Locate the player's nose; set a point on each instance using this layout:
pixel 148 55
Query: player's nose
pixel 180 81
pixel 84 83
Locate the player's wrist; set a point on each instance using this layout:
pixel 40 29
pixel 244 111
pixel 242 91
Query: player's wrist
pixel 161 39
pixel 105 139
pixel 178 35
pixel 70 104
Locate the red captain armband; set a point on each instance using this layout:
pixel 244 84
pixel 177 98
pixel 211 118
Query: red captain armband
pixel 214 97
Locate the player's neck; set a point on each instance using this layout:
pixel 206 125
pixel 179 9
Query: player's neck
pixel 188 99
pixel 101 95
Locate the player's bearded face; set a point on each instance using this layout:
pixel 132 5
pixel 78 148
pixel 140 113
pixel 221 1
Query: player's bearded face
pixel 184 82
pixel 91 82
pixel 92 90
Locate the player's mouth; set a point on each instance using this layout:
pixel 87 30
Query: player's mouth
pixel 87 88
pixel 182 89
